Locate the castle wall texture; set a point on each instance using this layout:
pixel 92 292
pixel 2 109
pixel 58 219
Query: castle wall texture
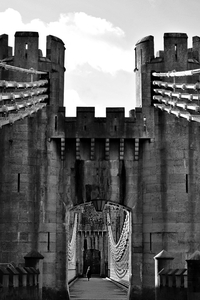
pixel 169 165
pixel 31 206
pixel 148 162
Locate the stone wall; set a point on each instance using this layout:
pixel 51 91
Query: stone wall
pixel 169 166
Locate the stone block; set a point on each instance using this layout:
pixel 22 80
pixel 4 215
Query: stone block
pixel 50 258
pixel 43 237
pixel 50 217
pixel 49 268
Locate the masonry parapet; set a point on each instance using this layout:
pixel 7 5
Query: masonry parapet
pixel 114 125
pixel 175 53
pixel 144 51
pixel 175 56
pixel 28 55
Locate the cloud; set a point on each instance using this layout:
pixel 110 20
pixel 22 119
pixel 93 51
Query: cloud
pixel 91 25
pixel 7 19
pixel 88 40
pixel 72 100
pixel 153 2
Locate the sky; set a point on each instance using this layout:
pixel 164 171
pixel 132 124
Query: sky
pixel 100 37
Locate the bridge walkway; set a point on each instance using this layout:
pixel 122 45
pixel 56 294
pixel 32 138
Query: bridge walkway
pixel 97 288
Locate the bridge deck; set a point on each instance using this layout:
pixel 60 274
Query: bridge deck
pixel 96 289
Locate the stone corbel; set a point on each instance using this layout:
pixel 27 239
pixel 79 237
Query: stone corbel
pixel 121 150
pixel 92 149
pixel 78 156
pixel 62 148
pixel 136 149
pixel 107 149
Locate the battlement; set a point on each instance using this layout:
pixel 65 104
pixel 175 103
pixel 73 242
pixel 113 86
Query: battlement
pixel 175 56
pixel 26 34
pixel 27 40
pixel 111 112
pixel 175 49
pixel 114 125
pixel 27 53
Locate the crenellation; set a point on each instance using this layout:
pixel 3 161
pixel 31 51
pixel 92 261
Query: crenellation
pixel 4 49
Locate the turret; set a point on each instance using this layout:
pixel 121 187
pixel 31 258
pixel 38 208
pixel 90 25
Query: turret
pixel 196 47
pixel 55 50
pixel 144 52
pixel 175 51
pixel 3 46
pixel 26 52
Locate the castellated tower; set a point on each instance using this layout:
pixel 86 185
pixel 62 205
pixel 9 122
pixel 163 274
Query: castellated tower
pixel 169 171
pixel 31 211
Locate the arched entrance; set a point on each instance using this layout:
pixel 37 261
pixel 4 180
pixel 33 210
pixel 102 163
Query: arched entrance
pixel 102 240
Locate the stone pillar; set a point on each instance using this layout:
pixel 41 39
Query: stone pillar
pixel 103 257
pixel 83 237
pixel 96 241
pixel 193 266
pixel 130 255
pixel 79 252
pixel 88 240
pixel 35 259
pixel 106 253
pixel 101 251
pixel 162 261
pixel 136 245
pixel 67 220
pixel 109 260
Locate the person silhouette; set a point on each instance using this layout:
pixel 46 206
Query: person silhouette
pixel 88 273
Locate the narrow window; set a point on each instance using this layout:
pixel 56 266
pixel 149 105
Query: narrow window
pixel 141 55
pixel 115 128
pixel 175 50
pixel 18 182
pixel 150 241
pixel 186 183
pixel 85 127
pixel 56 122
pixel 26 48
pixel 135 60
pixel 85 244
pixel 48 241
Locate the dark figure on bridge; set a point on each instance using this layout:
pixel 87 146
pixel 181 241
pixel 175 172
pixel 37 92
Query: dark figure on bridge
pixel 88 273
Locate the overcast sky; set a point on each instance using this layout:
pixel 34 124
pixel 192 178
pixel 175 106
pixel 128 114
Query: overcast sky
pixel 100 37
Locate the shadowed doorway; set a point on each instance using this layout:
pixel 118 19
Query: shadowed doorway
pixel 92 258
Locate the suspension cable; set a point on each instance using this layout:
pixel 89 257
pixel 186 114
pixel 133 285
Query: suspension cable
pixel 13 68
pixel 72 243
pixel 177 73
pixel 120 250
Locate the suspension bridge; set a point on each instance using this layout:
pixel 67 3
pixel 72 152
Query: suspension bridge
pixel 104 288
pixel 176 98
pixel 21 99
